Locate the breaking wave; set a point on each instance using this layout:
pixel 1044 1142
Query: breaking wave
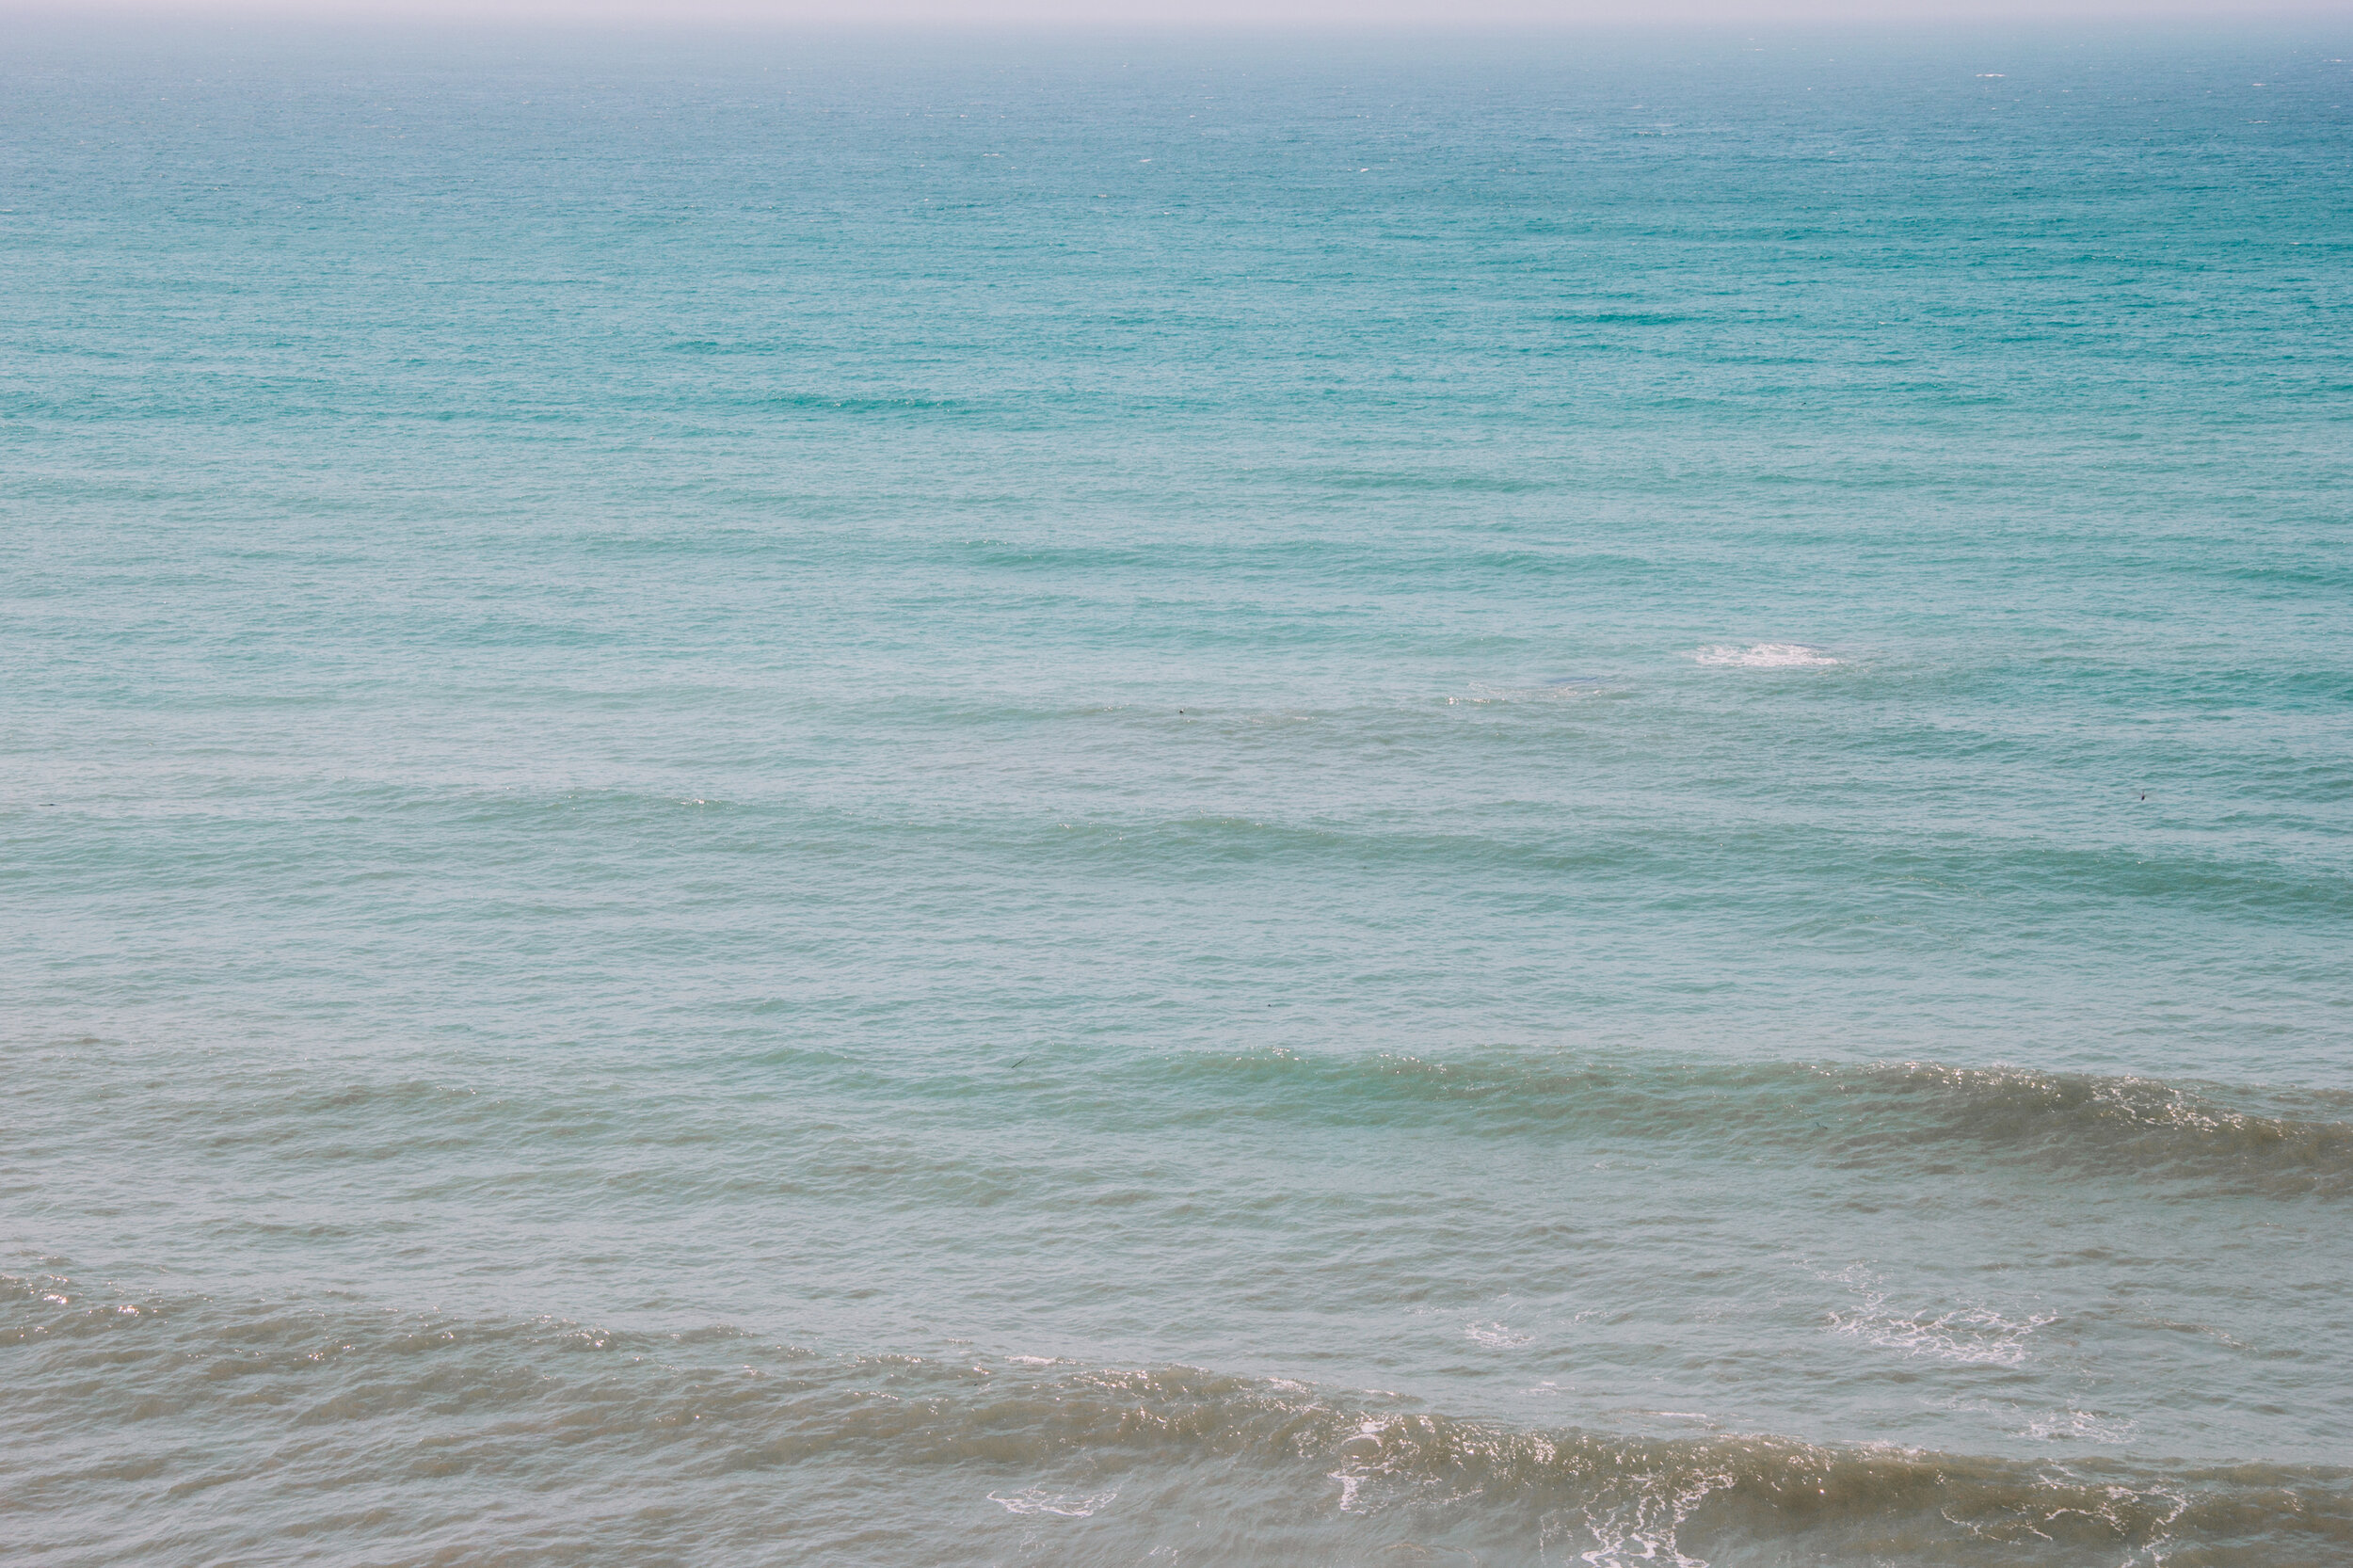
pixel 2206 1138
pixel 592 1446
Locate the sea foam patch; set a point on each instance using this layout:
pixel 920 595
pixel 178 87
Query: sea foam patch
pixel 1970 1334
pixel 1037 1499
pixel 1554 689
pixel 1765 656
pixel 1495 1336
pixel 2080 1426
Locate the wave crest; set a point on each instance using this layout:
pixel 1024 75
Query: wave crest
pixel 1893 1116
pixel 319 1419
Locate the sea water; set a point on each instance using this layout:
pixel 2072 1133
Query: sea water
pixel 906 801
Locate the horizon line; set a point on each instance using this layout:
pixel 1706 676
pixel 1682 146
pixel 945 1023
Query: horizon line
pixel 1164 17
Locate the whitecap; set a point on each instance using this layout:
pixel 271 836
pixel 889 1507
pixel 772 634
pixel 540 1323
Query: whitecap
pixel 1765 656
pixel 1495 1335
pixel 1037 1499
pixel 1966 1335
pixel 1363 1457
pixel 1563 688
pixel 1634 1520
pixel 2080 1425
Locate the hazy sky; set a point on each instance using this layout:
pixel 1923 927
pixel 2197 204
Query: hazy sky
pixel 1227 13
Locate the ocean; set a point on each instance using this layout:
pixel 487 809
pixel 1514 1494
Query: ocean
pixel 1246 801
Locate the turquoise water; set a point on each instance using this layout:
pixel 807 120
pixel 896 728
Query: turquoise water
pixel 1226 802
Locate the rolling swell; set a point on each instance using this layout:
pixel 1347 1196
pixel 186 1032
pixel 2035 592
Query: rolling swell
pixel 2168 1140
pixel 1859 1113
pixel 410 1437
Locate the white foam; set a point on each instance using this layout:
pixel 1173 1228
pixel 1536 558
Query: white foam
pixel 1968 1336
pixel 1567 689
pixel 2080 1425
pixel 1765 656
pixel 1497 1335
pixel 1965 1336
pixel 1634 1520
pixel 1037 1499
pixel 1352 1470
pixel 1364 1457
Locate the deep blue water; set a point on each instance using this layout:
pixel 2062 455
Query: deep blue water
pixel 1225 800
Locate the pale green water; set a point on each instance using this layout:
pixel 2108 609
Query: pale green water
pixel 910 802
